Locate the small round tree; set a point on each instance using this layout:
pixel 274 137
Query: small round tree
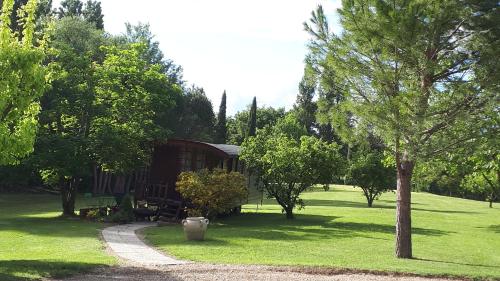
pixel 287 164
pixel 369 173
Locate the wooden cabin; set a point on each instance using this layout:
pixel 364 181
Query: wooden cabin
pixel 175 156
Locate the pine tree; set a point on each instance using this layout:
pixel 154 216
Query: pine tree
pixel 93 14
pixel 221 127
pixel 252 119
pixel 418 72
pixel 305 105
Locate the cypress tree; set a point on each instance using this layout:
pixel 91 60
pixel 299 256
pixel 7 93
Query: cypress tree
pixel 220 128
pixel 252 119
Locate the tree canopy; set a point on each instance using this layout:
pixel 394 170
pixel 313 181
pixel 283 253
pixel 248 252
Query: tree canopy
pixel 23 80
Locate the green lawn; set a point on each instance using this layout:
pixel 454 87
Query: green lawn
pixel 35 243
pixel 451 236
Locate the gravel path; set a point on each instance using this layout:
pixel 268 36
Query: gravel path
pixel 155 266
pixel 211 272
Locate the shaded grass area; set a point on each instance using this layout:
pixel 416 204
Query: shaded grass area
pixel 35 242
pixel 451 237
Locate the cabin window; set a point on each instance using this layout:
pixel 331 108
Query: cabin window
pixel 200 160
pixel 186 164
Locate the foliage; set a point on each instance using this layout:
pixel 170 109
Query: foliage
pixel 484 159
pixel 96 214
pixel 129 96
pixel 212 192
pixel 417 92
pixel 290 126
pixel 125 213
pixel 141 33
pixel 90 12
pixel 252 119
pixel 93 14
pixel 43 10
pixel 196 120
pixel 367 171
pixel 237 126
pixel 221 126
pixel 305 106
pixel 287 166
pixel 22 81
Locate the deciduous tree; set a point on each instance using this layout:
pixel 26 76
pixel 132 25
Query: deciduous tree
pixel 61 152
pixel 287 166
pixel 130 93
pixel 368 172
pixel 23 80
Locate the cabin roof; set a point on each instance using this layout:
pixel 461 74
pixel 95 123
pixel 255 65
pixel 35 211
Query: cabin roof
pixel 231 150
pixel 224 150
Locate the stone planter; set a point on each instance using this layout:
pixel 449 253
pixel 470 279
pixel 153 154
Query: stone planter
pixel 195 227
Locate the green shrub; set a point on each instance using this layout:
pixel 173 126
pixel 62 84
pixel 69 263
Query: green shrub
pixel 212 192
pixel 95 215
pixel 125 213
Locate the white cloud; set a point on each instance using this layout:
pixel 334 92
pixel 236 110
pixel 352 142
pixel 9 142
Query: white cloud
pixel 249 48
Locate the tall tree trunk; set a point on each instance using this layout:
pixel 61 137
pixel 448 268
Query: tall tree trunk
pixel 119 184
pixel 128 183
pixel 95 188
pixel 348 158
pixel 370 201
pixel 289 213
pixel 403 208
pixel 68 196
pixel 101 181
pixel 109 189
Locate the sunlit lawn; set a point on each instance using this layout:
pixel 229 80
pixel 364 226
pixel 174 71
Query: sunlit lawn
pixel 450 236
pixel 35 243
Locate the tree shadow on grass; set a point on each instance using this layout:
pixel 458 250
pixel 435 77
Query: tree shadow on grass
pixel 52 226
pixel 445 211
pixel 345 204
pixel 457 263
pixel 353 204
pixel 493 227
pixel 16 270
pixel 273 226
pixel 390 201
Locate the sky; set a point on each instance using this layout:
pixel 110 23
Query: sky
pixel 248 48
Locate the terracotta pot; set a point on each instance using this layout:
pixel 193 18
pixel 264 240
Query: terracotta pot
pixel 195 227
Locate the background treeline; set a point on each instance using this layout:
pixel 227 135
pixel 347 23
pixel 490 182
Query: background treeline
pixel 112 96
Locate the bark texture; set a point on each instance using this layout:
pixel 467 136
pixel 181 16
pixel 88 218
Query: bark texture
pixel 68 196
pixel 403 208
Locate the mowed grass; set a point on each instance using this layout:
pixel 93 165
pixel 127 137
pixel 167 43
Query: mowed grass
pixel 451 236
pixel 35 242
